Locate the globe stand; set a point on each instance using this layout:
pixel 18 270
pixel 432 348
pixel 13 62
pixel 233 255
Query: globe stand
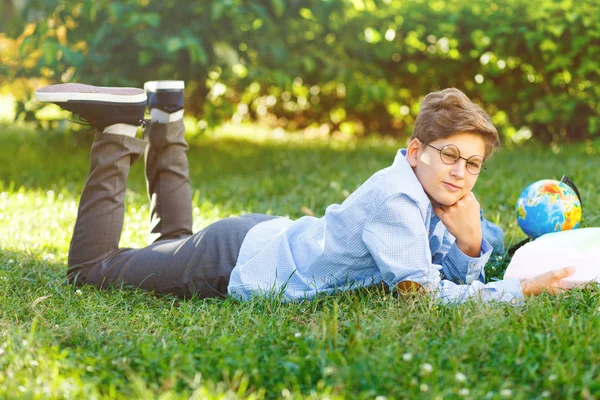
pixel 565 179
pixel 517 246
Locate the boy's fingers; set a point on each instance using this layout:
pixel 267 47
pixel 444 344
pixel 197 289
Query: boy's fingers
pixel 467 196
pixel 563 272
pixel 439 211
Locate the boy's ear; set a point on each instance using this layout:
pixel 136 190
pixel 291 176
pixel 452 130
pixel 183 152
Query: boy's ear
pixel 412 152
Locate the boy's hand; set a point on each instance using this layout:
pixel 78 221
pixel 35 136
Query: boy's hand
pixel 547 282
pixel 463 221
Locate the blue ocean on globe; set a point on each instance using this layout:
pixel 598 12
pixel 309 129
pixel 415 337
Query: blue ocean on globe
pixel 548 206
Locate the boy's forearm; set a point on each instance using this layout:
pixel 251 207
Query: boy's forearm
pixel 509 290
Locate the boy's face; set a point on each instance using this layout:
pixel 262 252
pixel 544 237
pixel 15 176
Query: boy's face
pixel 445 183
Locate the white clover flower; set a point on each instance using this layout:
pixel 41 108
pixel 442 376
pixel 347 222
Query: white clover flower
pixel 463 392
pixel 460 377
pixel 78 292
pixel 546 393
pixel 426 368
pixel 380 398
pixel 506 393
pixel 297 334
pixel 552 378
pixel 424 387
pixel 407 356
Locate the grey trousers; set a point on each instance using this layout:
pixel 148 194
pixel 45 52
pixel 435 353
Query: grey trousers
pixel 178 262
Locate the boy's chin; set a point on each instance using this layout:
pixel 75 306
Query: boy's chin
pixel 442 201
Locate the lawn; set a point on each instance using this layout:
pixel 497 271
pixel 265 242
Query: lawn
pixel 57 341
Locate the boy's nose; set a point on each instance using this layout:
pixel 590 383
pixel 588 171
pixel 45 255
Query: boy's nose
pixel 459 169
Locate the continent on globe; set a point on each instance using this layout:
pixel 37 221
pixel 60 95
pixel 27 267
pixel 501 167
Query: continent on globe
pixel 548 206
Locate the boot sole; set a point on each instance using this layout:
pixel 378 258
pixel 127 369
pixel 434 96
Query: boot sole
pixel 77 92
pixel 154 86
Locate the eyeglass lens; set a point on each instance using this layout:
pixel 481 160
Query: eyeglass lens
pixel 450 155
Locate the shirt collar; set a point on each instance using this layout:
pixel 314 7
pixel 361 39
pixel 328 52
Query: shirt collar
pixel 412 186
pixel 400 158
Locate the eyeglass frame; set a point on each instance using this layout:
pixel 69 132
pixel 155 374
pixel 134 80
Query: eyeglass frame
pixel 483 168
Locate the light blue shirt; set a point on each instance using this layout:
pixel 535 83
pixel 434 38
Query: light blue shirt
pixel 386 231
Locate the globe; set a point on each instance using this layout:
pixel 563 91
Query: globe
pixel 548 206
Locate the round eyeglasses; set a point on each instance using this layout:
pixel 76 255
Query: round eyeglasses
pixel 450 154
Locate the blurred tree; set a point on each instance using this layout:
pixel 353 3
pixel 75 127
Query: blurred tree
pixel 7 13
pixel 357 66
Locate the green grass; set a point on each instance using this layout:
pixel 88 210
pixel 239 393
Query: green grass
pixel 60 342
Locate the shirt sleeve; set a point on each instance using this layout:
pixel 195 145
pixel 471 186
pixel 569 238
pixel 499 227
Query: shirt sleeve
pixel 398 241
pixel 457 266
pixel 508 290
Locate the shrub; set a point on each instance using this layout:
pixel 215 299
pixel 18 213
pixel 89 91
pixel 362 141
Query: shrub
pixel 358 66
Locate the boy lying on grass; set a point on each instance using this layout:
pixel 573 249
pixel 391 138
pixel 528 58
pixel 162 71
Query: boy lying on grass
pixel 413 225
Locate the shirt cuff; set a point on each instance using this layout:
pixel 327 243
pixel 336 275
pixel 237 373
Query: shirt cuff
pixel 508 290
pixel 474 265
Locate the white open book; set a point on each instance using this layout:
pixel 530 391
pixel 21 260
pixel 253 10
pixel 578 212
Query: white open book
pixel 579 248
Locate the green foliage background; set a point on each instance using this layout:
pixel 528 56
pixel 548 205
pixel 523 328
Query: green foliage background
pixel 359 66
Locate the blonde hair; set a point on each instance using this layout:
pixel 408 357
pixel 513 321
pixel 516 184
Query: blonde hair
pixel 449 111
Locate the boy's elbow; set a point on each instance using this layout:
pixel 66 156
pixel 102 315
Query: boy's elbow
pixel 408 287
